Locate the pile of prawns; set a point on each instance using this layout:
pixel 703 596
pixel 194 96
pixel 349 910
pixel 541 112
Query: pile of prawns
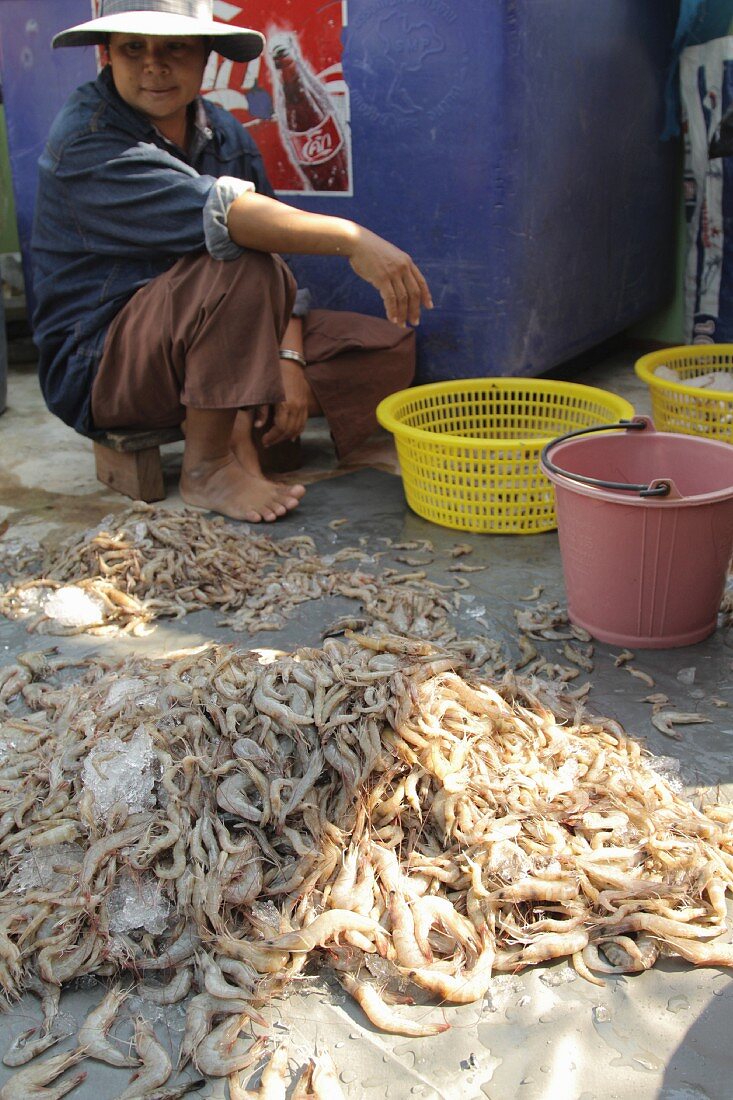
pixel 367 806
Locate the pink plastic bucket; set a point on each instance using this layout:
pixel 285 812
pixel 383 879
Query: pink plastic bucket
pixel 645 523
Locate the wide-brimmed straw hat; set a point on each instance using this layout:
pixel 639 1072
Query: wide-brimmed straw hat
pixel 164 17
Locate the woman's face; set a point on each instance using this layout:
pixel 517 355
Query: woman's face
pixel 158 76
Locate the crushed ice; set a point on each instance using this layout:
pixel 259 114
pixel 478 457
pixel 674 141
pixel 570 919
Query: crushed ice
pixel 129 688
pixel 669 768
pixel 558 975
pixel 476 612
pixel 47 868
pixel 173 1016
pixel 32 600
pixel 386 973
pixel 508 861
pixel 72 606
pixel 563 780
pixel 116 771
pixel 138 903
pixel 502 989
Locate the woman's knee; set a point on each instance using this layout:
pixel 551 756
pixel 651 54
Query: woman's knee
pixel 257 279
pixel 263 276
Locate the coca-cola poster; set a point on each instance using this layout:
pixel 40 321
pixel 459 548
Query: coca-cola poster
pixel 293 98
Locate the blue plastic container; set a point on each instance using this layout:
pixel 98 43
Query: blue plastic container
pixel 511 146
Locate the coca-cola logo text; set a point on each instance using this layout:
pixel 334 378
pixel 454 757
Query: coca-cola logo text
pixel 317 145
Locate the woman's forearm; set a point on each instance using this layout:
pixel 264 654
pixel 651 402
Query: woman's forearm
pixel 267 225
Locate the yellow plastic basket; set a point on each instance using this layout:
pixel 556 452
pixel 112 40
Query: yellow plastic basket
pixel 677 407
pixel 470 450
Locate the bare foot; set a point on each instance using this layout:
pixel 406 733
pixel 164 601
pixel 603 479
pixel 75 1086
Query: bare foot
pixel 245 450
pixel 224 485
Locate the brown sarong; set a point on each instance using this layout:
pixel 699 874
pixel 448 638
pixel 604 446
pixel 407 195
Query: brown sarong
pixel 207 334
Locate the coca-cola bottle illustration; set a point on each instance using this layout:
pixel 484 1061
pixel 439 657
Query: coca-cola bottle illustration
pixel 309 123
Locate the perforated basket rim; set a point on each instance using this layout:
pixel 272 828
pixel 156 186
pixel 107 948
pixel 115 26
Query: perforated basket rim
pixel 648 364
pixel 386 417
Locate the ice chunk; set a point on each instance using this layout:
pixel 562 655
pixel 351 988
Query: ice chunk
pixel 46 868
pixel 266 912
pixel 668 768
pixel 148 699
pixel 558 975
pixel 381 969
pixel 508 861
pixel 138 903
pixel 123 689
pixel 563 780
pixel 173 1017
pixel 502 989
pixel 130 688
pixel 63 1025
pixel 121 771
pixel 72 606
pixel 476 612
pixel 31 600
pixel 687 676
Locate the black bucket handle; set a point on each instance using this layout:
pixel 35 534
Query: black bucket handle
pixel 639 423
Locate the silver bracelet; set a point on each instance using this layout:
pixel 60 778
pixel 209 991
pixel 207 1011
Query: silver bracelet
pixel 288 353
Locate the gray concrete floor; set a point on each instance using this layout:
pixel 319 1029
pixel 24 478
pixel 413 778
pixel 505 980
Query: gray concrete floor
pixel 664 1034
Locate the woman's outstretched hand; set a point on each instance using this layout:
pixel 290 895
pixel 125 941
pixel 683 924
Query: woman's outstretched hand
pixel 395 275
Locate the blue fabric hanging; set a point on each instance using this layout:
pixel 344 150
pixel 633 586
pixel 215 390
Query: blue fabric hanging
pixel 706 89
pixel 690 12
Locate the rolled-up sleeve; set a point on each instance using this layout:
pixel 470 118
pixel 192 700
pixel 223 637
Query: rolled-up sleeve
pixel 216 210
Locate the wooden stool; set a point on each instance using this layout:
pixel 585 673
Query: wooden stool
pixel 129 461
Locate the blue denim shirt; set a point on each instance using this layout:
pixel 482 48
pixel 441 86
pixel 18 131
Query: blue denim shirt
pixel 117 205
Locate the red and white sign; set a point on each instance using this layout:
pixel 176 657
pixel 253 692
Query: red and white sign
pixel 302 151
